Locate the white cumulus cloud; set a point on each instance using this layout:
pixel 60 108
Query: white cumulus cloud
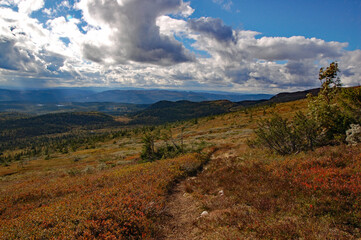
pixel 133 33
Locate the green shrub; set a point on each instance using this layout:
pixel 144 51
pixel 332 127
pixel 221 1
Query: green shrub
pixel 148 151
pixel 332 121
pixel 307 132
pixel 285 137
pixel 326 108
pixel 166 148
pixel 276 134
pixel 350 99
pixel 329 117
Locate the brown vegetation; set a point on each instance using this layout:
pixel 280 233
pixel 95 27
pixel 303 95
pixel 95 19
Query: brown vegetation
pixel 313 196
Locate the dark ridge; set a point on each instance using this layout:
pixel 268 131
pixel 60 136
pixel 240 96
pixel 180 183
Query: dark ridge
pixel 293 96
pixel 53 123
pixel 166 111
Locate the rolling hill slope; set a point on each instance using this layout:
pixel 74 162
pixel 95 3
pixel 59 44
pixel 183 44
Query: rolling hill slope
pixel 106 191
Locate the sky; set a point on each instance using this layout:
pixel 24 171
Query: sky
pixel 244 46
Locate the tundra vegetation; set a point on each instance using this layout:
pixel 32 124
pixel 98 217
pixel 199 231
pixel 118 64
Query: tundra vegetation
pixel 300 179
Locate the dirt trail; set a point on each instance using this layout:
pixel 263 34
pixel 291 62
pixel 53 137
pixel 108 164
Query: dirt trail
pixel 183 211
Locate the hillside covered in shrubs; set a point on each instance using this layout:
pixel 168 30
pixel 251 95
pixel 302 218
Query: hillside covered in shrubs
pixel 244 174
pixel 330 116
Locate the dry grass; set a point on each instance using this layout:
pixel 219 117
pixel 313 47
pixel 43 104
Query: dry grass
pixel 285 198
pixel 112 151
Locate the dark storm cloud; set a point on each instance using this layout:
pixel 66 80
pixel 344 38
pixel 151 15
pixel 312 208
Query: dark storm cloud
pixel 301 68
pixel 212 27
pixel 93 53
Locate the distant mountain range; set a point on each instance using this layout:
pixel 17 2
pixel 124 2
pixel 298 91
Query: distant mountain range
pixel 167 111
pixel 119 96
pixel 43 96
pixel 73 115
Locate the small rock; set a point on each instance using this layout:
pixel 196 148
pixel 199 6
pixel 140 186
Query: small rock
pixel 204 214
pixel 221 193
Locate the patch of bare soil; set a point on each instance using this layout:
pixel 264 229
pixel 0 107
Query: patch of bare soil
pixel 184 212
pixel 180 216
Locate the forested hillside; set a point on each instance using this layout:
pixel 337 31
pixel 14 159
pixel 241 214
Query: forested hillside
pixel 166 111
pixel 28 127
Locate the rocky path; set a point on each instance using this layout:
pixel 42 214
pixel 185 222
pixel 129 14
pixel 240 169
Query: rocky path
pixel 182 212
